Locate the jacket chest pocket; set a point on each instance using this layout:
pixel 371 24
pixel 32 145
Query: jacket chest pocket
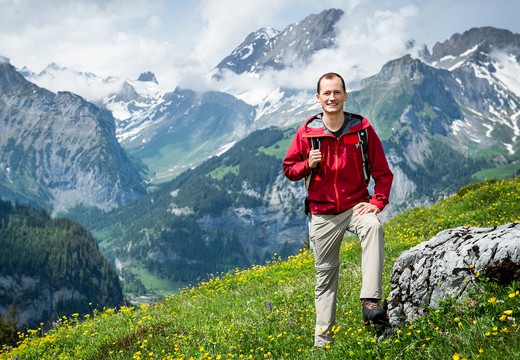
pixel 349 144
pixel 349 157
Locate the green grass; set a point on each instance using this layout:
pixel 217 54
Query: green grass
pixel 499 172
pixel 277 150
pixel 267 312
pixel 155 284
pixel 220 172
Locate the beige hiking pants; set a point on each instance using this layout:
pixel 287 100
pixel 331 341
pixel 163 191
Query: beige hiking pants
pixel 326 234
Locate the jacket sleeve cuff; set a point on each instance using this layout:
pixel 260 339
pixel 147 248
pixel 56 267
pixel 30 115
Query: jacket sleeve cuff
pixel 379 200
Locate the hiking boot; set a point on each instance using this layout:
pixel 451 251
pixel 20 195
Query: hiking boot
pixel 373 313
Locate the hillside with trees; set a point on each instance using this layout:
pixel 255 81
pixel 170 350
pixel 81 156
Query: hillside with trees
pixel 50 268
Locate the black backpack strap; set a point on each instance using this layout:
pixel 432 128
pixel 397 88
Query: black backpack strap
pixel 315 145
pixel 363 143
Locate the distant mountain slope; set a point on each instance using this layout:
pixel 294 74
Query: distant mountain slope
pixel 184 128
pixel 58 150
pixel 50 268
pixel 471 43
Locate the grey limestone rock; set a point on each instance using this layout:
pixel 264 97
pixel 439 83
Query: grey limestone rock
pixel 447 265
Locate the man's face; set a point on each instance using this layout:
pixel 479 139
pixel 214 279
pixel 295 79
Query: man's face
pixel 331 96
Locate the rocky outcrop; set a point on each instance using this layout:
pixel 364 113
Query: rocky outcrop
pixel 36 302
pixel 447 265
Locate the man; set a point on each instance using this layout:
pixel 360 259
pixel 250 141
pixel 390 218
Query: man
pixel 328 149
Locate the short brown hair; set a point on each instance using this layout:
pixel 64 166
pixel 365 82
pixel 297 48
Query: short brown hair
pixel 330 75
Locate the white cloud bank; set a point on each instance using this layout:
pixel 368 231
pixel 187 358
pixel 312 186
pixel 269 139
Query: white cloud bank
pixel 181 41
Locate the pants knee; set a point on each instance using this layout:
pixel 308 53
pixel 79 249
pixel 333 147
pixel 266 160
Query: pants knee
pixel 371 226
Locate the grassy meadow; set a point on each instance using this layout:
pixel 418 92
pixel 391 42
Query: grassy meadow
pixel 267 312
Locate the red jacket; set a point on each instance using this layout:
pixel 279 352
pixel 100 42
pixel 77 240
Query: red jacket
pixel 338 183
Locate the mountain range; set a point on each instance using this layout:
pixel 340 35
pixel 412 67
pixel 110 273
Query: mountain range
pixel 216 198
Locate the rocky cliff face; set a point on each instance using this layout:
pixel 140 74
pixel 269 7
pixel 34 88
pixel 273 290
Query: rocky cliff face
pixel 59 150
pixel 465 45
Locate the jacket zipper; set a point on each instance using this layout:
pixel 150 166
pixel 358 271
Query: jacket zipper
pixel 356 162
pixel 336 175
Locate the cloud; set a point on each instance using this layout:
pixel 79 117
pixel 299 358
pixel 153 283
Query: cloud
pixel 108 38
pixel 228 22
pixel 181 41
pixel 375 37
pixel 92 89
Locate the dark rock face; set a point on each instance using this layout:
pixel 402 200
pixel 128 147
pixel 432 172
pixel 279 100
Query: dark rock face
pixel 447 265
pixel 482 37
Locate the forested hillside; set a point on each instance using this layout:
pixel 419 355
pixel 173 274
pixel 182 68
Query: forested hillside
pixel 51 267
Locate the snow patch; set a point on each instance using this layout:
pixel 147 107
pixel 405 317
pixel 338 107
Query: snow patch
pixel 249 49
pixel 456 66
pixel 507 70
pixel 225 148
pixel 489 131
pixel 447 58
pixel 469 51
pixel 457 126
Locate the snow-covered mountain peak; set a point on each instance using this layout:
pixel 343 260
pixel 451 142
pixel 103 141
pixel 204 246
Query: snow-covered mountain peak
pixel 55 70
pixel 88 85
pixel 271 49
pixel 147 88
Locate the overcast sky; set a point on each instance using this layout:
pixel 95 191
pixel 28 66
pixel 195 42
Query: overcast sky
pixel 181 40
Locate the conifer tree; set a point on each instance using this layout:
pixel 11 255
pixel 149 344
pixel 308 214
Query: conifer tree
pixel 8 327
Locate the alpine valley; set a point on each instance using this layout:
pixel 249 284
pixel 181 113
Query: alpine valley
pixel 181 185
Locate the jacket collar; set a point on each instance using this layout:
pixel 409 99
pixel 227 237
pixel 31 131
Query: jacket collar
pixel 314 125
